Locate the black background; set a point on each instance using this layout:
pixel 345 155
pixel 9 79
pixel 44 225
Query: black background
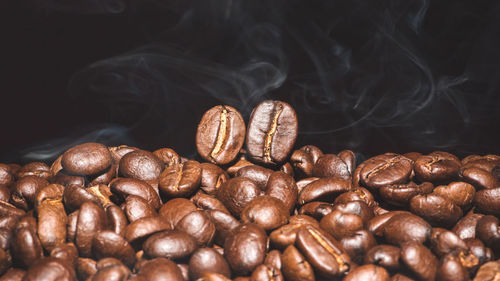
pixel 334 54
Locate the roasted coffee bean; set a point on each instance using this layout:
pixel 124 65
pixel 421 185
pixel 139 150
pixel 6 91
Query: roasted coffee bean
pixel 258 174
pixel 26 248
pixel 117 221
pixel 401 194
pixel 5 261
pixel 302 162
pixel 273 259
pixel 236 193
pixel 142 165
pixel 174 210
pixel 24 191
pixel 385 169
pixel 71 227
pixel 438 211
pixel 286 235
pixel 91 219
pixel 220 134
pixel 136 207
pixel 13 274
pixel 295 266
pixel 488 201
pixel 111 273
pixel 437 167
pixel 451 269
pixel 38 169
pixel 404 227
pixel 66 252
pixel 184 270
pixel 419 260
pixel 304 182
pixel 52 222
pixel 486 162
pixel 460 193
pixel 287 169
pixel 324 189
pixel 117 152
pixel 340 225
pixel 137 231
pixel 479 250
pixel 266 273
pixel 325 254
pixel 237 247
pixel 330 165
pixel 316 209
pixel 212 177
pixel 266 211
pixel 444 242
pixel 168 156
pixel 180 180
pixel 272 130
pixel 488 230
pixel 51 191
pixel 242 162
pixel 466 226
pixel 358 194
pixel 479 178
pixel 122 187
pixel 207 202
pixel 67 180
pixel 4 193
pixel 489 271
pixel 358 244
pixel 199 226
pixel 207 260
pixel 86 159
pixel 283 187
pixel 6 177
pixel 50 269
pixel 74 196
pixel 359 208
pixel 349 158
pixel 387 256
pixel 171 244
pixel 105 177
pixel 224 224
pixel 368 272
pixel 161 269
pixel 109 244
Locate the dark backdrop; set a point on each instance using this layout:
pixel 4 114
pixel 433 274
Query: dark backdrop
pixel 372 76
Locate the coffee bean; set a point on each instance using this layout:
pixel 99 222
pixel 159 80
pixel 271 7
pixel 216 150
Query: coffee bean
pixel 451 269
pixel 74 196
pixel 136 207
pixel 295 266
pixel 168 156
pixel 67 180
pixel 479 250
pixel 437 167
pixel 137 231
pixel 4 193
pixel 401 277
pixel 283 187
pixel 266 273
pixel 419 260
pixel 488 230
pixel 236 193
pixel 325 254
pixel 272 130
pixel 358 244
pixel 66 252
pixel 122 187
pixel 38 169
pixel 91 219
pixel 25 189
pixel 111 273
pixel 224 225
pixel 349 158
pixel 460 193
pixel 6 177
pixel 85 268
pixel 207 260
pixel 180 180
pixel 172 244
pixel 117 152
pixel 358 194
pixel 340 225
pixel 324 189
pixel 212 177
pixel 316 209
pixel 105 177
pixel 479 178
pixel 486 162
pixel 50 269
pixel 330 165
pixel 368 272
pixel 387 256
pixel 109 244
pixel 174 210
pixel 52 222
pixel 302 162
pixel 488 201
pixel 359 208
pixel 258 174
pixel 207 202
pixel 286 235
pixel 199 226
pixel 401 194
pixel 86 159
pixel 444 242
pixel 142 165
pixel 273 259
pixel 211 276
pixel 436 209
pixel 385 169
pixel 488 271
pixel 242 162
pixel 117 221
pixel 404 227
pixel 266 211
pixel 26 248
pixel 220 134
pixel 466 226
pixel 287 169
pixel 304 182
pixel 236 248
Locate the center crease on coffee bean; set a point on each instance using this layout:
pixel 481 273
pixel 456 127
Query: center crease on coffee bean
pixel 270 134
pixel 384 166
pixel 221 134
pixel 179 177
pixel 435 159
pixel 324 244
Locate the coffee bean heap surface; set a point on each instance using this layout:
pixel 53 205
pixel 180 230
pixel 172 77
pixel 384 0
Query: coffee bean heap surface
pixel 251 207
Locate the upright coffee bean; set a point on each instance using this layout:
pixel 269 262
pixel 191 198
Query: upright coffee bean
pixel 86 159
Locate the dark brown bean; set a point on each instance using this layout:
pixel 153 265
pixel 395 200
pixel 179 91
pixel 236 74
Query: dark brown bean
pixel 488 230
pixel 479 178
pixel 295 266
pixel 85 268
pixel 117 221
pixel 316 209
pixel 358 244
pixel 466 226
pixel 207 260
pixel 24 191
pixel 168 156
pixel 236 193
pixel 199 226
pixel 419 260
pixel 266 211
pixel 438 211
pixel 105 177
pixel 91 219
pixel 224 225
pixel 66 252
pixel 266 273
pixel 460 193
pixel 86 159
pixel 109 244
pixel 246 248
pixel 488 201
pixel 180 180
pixel 142 165
pixel 207 202
pixel 220 134
pixel 330 165
pixel 489 271
pixel 385 169
pixel 272 130
pixel 25 247
pixel 50 269
pixel 273 259
pixel 211 276
pixel 5 261
pixel 258 174
pixel 74 196
pixel 52 222
pixel 136 207
pixel 437 167
pixel 38 169
pixel 450 269
pixel 387 256
pixel 368 272
pixel 161 269
pixel 139 230
pixel 404 227
pixel 445 242
pixel 242 162
pixel 122 187
pixel 302 162
pixel 13 274
pixel 283 187
pixel 401 194
pixel 174 210
pixel 6 177
pixel 340 225
pixel 171 244
pixel 359 208
pixel 212 177
pixel 324 189
pixel 117 152
pixel 479 250
pixel 358 194
pixel 325 254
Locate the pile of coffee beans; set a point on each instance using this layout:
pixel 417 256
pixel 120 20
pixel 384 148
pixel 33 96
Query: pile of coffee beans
pixel 251 207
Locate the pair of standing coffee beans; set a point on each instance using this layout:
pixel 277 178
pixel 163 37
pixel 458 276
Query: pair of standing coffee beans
pixel 270 136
